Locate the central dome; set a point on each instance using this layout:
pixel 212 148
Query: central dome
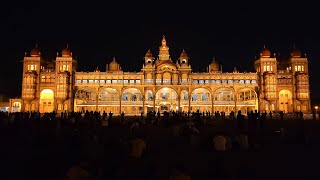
pixel 295 53
pixel 35 52
pixel 265 53
pixel 113 66
pixel 66 52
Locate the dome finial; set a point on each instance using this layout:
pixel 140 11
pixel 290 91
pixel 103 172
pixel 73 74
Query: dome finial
pixel 264 46
pixel 164 42
pixel 67 46
pixel 294 45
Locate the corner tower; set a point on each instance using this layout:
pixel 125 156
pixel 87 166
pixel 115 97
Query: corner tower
pixel 266 67
pixel 66 66
pixel 31 79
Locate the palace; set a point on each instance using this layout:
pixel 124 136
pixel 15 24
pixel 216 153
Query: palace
pixel 163 85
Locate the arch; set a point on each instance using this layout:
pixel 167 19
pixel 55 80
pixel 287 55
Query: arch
pixel 166 93
pixel 108 94
pixel 247 89
pixel 201 94
pixel 223 94
pixel 285 101
pixel 224 100
pixel 247 99
pixel 46 100
pixel 85 96
pixel 131 94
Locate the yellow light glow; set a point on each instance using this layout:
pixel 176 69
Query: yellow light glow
pixel 316 107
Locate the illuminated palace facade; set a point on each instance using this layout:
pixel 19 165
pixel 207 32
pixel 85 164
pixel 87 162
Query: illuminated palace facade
pixel 164 85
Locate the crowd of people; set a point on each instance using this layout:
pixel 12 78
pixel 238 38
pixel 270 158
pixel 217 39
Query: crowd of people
pixel 99 145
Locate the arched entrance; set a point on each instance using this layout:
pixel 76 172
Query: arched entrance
pixel 224 100
pixel 132 101
pixel 166 100
pixel 46 101
pixel 201 100
pixel 85 99
pixel 247 100
pixel 108 100
pixel 285 101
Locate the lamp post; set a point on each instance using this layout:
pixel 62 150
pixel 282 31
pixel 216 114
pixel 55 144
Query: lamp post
pixel 316 107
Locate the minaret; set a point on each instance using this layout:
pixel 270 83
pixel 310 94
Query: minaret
pixel 164 50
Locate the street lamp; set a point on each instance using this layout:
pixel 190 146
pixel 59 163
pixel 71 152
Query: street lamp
pixel 316 107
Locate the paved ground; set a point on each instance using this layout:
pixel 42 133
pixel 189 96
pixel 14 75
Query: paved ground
pixel 44 153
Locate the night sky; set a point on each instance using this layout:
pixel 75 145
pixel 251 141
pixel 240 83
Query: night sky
pixel 231 32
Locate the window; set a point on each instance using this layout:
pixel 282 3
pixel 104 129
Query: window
pixel 131 81
pixel 184 80
pixel 78 81
pixel 302 68
pixel 108 81
pixel 201 81
pixel 167 81
pixel 195 81
pixel 138 81
pixel 114 81
pixel 126 81
pixel 102 81
pixel 148 80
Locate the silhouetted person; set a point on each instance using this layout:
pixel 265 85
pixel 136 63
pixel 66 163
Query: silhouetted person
pixel 281 115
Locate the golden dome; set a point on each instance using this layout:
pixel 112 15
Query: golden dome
pixel 113 66
pixel 265 52
pixel 35 52
pixel 295 53
pixel 66 52
pixel 214 66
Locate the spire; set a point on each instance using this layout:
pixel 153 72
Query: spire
pixel 264 46
pixel 67 46
pixel 164 42
pixel 164 50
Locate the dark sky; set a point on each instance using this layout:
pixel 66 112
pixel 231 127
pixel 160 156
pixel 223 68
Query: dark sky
pixel 231 32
